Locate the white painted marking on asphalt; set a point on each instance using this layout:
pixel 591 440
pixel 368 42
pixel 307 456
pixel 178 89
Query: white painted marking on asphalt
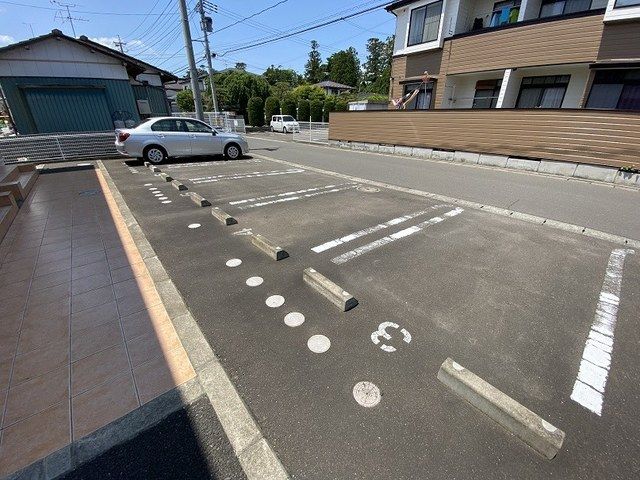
pixel 238 176
pixel 254 281
pixel 589 387
pixel 548 427
pixel 366 231
pixel 350 255
pixel 210 164
pixel 234 262
pixel 294 319
pixel 166 201
pixel 162 198
pixel 153 188
pixel 318 343
pixel 275 301
pixel 289 199
pixel 244 231
pixel 194 225
pixel 147 184
pixel 367 394
pixel 382 332
pixel 285 194
pixel 159 194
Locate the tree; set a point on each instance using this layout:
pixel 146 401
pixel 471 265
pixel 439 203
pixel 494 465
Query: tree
pixel 308 92
pixel 375 61
pixel 342 105
pixel 344 67
pixel 329 106
pixel 275 75
pixel 241 66
pixel 313 71
pixel 289 107
pixel 271 108
pixel 304 110
pixel 185 102
pixel 316 110
pixel 280 89
pixel 380 83
pixel 256 111
pixel 238 87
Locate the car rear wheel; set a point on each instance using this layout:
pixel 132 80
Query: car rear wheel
pixel 272 129
pixel 232 151
pixel 155 154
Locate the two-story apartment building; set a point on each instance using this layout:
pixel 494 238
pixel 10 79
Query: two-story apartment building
pixel 518 53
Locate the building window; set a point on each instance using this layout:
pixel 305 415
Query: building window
pixel 505 13
pixel 551 8
pixel 425 23
pixel 422 101
pixel 626 3
pixel 615 89
pixel 542 92
pixel 487 92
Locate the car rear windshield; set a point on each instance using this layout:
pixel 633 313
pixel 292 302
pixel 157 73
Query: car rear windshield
pixel 288 118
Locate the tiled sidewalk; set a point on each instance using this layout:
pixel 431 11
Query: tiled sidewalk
pixel 84 337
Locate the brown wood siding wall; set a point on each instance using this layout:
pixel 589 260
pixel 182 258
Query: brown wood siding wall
pixel 620 42
pixel 398 68
pixel 572 40
pixel 585 136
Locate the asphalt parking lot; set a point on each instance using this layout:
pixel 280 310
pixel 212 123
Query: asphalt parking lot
pixel 512 301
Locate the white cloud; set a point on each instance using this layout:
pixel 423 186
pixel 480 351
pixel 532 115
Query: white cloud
pixel 6 40
pixel 111 43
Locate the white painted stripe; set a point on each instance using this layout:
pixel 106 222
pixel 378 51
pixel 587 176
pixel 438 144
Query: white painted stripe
pixel 211 164
pixel 296 197
pixel 350 255
pixel 588 390
pixel 366 231
pixel 237 176
pixel 285 194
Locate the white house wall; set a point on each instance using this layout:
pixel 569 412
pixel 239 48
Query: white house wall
pixel 60 58
pixel 150 78
pixel 403 14
pixel 461 89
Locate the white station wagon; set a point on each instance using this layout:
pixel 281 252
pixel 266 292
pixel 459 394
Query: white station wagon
pixel 159 138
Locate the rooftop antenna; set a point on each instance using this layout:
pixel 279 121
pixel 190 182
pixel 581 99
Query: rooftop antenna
pixel 31 27
pixel 67 6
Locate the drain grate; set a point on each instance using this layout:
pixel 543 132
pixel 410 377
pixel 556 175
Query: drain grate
pixel 88 193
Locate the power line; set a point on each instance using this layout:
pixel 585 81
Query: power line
pixel 251 16
pixel 143 20
pixel 308 29
pixel 87 12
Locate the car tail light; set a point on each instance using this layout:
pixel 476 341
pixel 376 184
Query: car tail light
pixel 122 136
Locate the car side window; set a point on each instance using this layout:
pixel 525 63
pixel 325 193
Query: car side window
pixel 197 127
pixel 165 126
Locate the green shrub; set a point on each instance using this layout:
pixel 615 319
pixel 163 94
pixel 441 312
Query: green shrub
pixel 271 108
pixel 255 109
pixel 289 107
pixel 329 106
pixel 342 105
pixel 184 100
pixel 316 110
pixel 304 111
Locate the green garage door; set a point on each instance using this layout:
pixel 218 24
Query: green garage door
pixel 63 109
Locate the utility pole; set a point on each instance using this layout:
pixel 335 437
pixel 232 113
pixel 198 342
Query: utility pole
pixel 207 26
pixel 120 44
pixel 192 63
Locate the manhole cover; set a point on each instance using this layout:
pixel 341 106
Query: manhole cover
pixel 88 193
pixel 363 188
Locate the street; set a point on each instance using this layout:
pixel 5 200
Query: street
pixel 514 302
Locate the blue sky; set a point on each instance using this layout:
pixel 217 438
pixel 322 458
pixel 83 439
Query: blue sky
pixel 157 38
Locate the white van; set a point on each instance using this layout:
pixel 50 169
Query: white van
pixel 284 124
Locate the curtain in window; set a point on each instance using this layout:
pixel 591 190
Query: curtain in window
pixel 572 6
pixel 529 98
pixel 630 98
pixel 552 97
pixel 416 26
pixel 604 95
pixel 432 22
pixel 551 9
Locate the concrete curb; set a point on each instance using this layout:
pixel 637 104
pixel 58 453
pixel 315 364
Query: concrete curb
pixel 257 458
pixel 199 200
pixel 514 417
pixel 567 227
pixel 223 216
pixel 268 247
pixel 325 287
pixel 177 184
pixel 166 177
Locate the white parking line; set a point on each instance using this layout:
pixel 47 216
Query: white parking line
pixel 211 164
pixel 286 194
pixel 350 255
pixel 588 390
pixel 237 176
pixel 366 231
pixel 296 197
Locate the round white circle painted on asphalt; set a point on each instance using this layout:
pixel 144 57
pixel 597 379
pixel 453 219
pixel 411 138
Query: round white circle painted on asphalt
pixel 318 343
pixel 194 225
pixel 367 394
pixel 254 281
pixel 166 201
pixel 294 319
pixel 234 262
pixel 275 301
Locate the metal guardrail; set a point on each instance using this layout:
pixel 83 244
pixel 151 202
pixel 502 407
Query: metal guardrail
pixel 314 132
pixel 223 121
pixel 57 147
